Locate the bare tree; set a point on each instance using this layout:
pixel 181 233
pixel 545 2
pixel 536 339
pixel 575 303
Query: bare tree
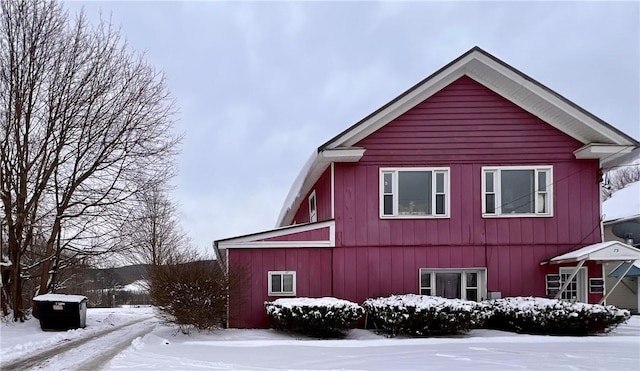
pixel 154 233
pixel 85 125
pixel 617 179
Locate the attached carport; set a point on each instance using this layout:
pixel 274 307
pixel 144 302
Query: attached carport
pixel 632 270
pixel 610 251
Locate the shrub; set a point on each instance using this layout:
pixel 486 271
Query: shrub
pixel 423 315
pixel 553 317
pixel 192 294
pixel 320 317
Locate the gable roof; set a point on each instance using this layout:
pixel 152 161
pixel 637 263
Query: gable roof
pixel 506 81
pixel 601 140
pixel 602 251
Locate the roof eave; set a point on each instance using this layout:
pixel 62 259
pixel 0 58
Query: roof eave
pixel 315 167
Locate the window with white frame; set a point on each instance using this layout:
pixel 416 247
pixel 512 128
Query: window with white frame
pixel 468 284
pixel 576 289
pixel 282 283
pixel 517 191
pixel 414 192
pixel 313 214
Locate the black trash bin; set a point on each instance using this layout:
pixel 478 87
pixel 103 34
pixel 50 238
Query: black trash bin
pixel 61 311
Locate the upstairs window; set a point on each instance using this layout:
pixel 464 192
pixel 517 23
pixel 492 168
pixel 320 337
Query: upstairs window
pixel 414 192
pixel 282 283
pixel 313 214
pixel 517 191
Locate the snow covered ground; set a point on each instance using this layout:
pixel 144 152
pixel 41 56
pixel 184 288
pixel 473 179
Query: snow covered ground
pixel 164 349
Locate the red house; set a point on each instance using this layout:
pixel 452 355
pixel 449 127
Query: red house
pixel 460 187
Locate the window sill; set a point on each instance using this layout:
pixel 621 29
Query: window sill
pixel 517 216
pixel 415 217
pixel 282 294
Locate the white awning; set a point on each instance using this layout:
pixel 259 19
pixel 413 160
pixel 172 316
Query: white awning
pixel 603 251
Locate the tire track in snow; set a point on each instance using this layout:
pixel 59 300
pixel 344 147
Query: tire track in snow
pixel 40 359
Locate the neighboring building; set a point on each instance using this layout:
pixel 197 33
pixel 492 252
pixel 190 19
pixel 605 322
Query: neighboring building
pixel 621 214
pixel 460 187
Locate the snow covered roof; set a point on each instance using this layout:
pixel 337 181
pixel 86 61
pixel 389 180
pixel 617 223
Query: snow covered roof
pixel 603 251
pixel 623 204
pixel 60 297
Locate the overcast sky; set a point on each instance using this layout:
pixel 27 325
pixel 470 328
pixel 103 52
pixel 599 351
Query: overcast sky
pixel 260 85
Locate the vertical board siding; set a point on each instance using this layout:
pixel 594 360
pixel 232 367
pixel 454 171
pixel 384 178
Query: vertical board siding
pixel 320 234
pixel 379 271
pixel 465 127
pixel 313 279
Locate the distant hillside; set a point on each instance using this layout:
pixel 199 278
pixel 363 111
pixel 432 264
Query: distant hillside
pixel 106 287
pixel 113 277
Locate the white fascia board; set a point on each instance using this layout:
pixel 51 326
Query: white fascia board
pixel 553 99
pixel 275 244
pixel 284 231
pixel 351 154
pixel 601 150
pixel 608 154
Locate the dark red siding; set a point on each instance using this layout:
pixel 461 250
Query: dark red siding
pixel 464 127
pixel 321 234
pixel 323 200
pixel 363 272
pixel 246 305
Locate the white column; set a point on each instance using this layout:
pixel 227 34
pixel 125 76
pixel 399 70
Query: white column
pixel 638 295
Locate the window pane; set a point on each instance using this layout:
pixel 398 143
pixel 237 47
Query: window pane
pixel 414 193
pixel 312 204
pixel 439 182
pixel 276 283
pixel 490 206
pixel 472 279
pixel 425 291
pixel 472 294
pixel 448 285
pixel 388 182
pixel 388 205
pixel 542 180
pixel 517 191
pixel 425 279
pixel 488 182
pixel 440 205
pixel 288 283
pixel 542 202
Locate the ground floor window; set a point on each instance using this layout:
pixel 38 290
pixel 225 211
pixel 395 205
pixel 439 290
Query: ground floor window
pixel 467 284
pixel 282 283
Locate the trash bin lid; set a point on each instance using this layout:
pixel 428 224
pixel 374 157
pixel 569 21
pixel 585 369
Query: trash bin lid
pixel 61 297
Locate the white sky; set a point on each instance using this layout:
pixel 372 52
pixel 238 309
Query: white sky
pixel 260 85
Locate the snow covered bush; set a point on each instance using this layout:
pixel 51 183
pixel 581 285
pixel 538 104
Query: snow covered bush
pixel 553 317
pixel 321 317
pixel 423 315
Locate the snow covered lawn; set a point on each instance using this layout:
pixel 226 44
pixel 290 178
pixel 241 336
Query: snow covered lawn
pixel 266 349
